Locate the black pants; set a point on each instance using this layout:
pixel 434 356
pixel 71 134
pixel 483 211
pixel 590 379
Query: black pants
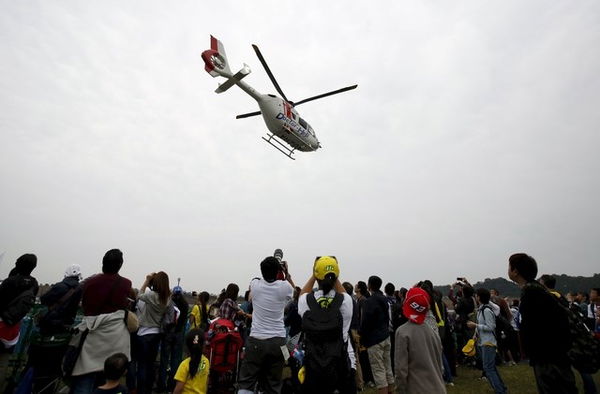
pixel 263 363
pixel 554 378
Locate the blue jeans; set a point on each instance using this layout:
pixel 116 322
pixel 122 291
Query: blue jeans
pixel 589 387
pixel 171 349
pixel 447 375
pixel 85 384
pixel 148 350
pixel 488 360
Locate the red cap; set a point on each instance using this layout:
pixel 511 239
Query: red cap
pixel 416 305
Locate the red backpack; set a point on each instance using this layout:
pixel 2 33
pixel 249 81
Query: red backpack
pixel 224 344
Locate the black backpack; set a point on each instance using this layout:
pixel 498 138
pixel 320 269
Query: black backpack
pixel 326 354
pixel 55 319
pixel 169 319
pixel 503 326
pixel 19 307
pixel 585 347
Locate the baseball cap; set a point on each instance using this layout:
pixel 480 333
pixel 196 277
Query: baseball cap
pixel 177 289
pixel 325 265
pixel 416 305
pixel 73 270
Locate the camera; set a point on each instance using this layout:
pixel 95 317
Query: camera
pixel 278 254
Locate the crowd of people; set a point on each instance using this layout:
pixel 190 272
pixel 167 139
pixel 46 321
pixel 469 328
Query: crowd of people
pixel 100 335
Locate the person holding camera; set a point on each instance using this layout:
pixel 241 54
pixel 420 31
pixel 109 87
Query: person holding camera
pixel 465 311
pixel 265 347
pixel 152 305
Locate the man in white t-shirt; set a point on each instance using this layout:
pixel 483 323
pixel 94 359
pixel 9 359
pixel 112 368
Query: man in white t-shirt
pixel 266 352
pixel 326 273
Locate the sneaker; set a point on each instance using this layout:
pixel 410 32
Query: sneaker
pixel 512 363
pixel 450 384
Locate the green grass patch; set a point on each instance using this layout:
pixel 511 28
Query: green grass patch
pixel 518 379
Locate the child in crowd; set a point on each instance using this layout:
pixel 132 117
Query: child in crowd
pixel 192 374
pixel 115 368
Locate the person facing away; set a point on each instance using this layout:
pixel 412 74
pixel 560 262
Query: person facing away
pixel 171 344
pixel 326 317
pixel 55 324
pixel 375 336
pixel 292 320
pixel 115 368
pixel 62 301
pixel 418 353
pixel 486 339
pixel 192 374
pixel 264 357
pixel 549 282
pixel 17 296
pixel 544 329
pixel 199 316
pixel 104 298
pixel 152 306
pixel 229 308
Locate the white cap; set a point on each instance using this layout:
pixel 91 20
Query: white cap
pixel 73 270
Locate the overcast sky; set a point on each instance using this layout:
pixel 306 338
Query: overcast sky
pixel 473 134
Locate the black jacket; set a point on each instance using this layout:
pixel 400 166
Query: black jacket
pixel 61 313
pixel 10 289
pixel 544 326
pixel 374 325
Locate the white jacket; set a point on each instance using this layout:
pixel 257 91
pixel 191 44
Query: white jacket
pixel 108 335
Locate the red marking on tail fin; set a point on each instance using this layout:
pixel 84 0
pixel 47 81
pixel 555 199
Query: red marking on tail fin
pixel 214 44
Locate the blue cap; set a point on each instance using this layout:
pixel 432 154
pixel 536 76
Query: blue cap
pixel 177 289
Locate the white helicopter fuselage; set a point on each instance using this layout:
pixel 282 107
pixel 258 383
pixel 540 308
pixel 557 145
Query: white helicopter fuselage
pixel 280 116
pixel 282 119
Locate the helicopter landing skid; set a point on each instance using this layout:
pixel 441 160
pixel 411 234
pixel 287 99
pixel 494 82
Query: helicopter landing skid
pixel 280 146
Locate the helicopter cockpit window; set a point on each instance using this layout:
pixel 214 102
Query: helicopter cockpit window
pixel 310 130
pixel 303 123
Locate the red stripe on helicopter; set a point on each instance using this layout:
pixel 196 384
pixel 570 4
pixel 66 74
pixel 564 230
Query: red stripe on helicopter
pixel 214 44
pixel 288 109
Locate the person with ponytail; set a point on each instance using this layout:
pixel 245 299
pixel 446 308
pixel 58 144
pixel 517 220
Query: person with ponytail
pixel 192 374
pixel 199 315
pixel 152 306
pixel 329 360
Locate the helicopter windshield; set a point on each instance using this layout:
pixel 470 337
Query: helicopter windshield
pixel 306 126
pixel 303 123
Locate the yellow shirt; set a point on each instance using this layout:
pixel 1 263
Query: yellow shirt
pixel 197 317
pixel 199 383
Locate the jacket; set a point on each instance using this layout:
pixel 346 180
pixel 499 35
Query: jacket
pixel 418 360
pixel 107 335
pixel 374 325
pixel 486 326
pixel 544 326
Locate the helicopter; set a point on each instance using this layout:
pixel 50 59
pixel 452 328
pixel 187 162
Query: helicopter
pixel 280 115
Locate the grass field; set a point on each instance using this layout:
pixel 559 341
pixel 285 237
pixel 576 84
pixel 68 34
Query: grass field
pixel 519 379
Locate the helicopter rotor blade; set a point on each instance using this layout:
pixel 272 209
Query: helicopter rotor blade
pixel 325 95
pixel 268 70
pixel 248 115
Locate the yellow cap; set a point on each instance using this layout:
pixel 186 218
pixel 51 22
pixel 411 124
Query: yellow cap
pixel 325 265
pixel 301 375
